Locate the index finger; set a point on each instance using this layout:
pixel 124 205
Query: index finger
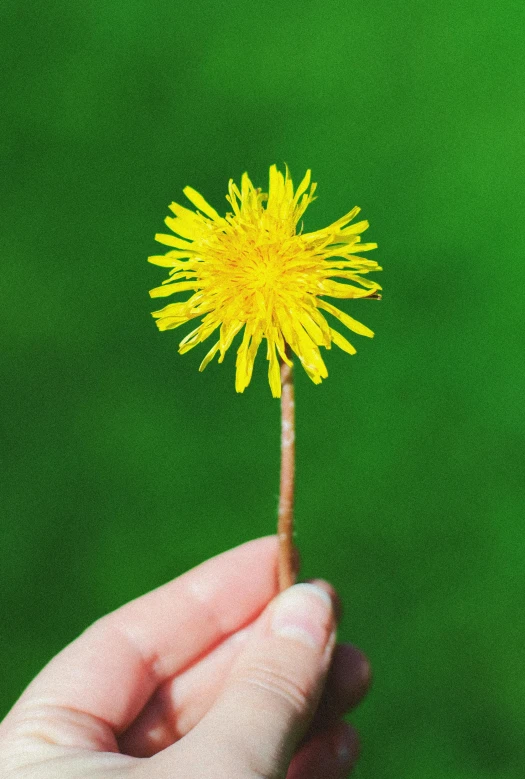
pixel 113 668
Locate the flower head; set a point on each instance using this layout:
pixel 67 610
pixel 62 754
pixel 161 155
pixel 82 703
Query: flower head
pixel 254 269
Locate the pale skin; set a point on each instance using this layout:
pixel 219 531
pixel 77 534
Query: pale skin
pixel 214 675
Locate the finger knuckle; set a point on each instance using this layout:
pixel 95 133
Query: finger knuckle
pixel 279 686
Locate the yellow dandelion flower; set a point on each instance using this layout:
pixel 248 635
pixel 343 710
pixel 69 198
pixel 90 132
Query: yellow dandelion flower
pixel 254 269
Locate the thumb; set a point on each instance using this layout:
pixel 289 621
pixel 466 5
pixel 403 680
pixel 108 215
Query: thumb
pixel 272 692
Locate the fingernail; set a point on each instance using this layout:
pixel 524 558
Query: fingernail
pixel 343 750
pixel 304 613
pixel 346 746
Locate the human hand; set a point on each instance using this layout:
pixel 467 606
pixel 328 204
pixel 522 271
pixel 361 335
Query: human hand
pixel 208 677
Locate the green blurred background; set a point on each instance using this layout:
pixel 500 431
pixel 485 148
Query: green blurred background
pixel 122 466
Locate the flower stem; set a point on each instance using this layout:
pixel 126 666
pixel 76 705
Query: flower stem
pixel 287 554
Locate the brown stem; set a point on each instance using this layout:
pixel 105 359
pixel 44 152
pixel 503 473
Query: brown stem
pixel 287 555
